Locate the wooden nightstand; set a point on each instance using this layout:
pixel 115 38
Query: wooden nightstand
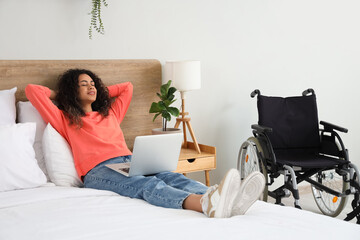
pixel 191 161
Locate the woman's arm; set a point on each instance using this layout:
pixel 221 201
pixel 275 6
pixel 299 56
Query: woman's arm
pixel 123 93
pixel 40 97
pixel 120 89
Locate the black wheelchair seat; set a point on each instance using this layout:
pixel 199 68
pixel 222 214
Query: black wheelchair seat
pixel 306 158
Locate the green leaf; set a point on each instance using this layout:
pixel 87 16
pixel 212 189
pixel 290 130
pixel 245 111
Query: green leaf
pixel 172 102
pixel 158 94
pixel 155 108
pixel 162 105
pixel 167 103
pixel 156 115
pixel 166 115
pixel 171 92
pixel 171 97
pixel 173 111
pixel 165 88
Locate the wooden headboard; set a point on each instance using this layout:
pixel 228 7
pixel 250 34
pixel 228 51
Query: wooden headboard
pixel 145 75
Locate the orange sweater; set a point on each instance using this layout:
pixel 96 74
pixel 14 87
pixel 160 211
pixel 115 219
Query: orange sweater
pixel 99 138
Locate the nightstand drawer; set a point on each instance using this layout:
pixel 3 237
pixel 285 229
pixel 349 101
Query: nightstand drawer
pixel 192 161
pixel 196 164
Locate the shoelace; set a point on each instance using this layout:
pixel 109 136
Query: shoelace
pixel 206 196
pixel 210 190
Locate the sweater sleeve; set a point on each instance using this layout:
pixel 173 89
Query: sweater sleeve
pixel 39 96
pixel 123 93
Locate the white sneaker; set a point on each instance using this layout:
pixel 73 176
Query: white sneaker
pixel 251 189
pixel 218 201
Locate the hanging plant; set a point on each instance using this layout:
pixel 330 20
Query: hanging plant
pixel 96 21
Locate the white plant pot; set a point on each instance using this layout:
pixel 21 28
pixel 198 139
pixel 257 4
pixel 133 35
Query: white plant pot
pixel 168 131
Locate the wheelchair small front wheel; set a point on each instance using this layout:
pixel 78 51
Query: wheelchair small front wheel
pixel 329 204
pixel 249 161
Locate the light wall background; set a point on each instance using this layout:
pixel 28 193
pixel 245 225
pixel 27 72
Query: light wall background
pixel 281 47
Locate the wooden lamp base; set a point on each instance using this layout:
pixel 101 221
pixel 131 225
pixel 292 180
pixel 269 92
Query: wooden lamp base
pixel 186 122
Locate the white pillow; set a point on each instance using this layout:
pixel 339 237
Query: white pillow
pixel 7 106
pixel 18 166
pixel 59 160
pixel 28 113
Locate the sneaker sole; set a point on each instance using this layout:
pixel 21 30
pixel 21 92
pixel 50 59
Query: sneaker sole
pixel 250 191
pixel 228 194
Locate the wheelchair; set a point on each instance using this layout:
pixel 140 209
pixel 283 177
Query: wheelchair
pixel 288 142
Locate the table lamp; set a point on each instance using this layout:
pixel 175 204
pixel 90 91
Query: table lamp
pixel 185 76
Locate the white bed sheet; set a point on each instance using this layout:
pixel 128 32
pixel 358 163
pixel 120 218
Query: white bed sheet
pixel 75 213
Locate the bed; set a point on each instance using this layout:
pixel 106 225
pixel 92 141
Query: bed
pixel 48 202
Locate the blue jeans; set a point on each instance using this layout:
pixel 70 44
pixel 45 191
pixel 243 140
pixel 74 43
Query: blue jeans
pixel 166 189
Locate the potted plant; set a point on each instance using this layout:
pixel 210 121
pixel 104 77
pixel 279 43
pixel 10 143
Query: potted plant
pixel 163 108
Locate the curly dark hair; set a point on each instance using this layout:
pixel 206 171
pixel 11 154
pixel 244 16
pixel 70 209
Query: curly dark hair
pixel 67 96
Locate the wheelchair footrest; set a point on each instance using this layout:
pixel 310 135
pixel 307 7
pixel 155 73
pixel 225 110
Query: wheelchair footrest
pixel 298 206
pixel 353 214
pixel 356 210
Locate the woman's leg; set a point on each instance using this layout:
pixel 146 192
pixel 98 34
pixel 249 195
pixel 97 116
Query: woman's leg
pixel 151 189
pixel 218 200
pixel 181 182
pixel 193 202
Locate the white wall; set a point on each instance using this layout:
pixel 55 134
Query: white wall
pixel 281 47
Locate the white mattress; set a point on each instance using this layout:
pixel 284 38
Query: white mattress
pixel 75 213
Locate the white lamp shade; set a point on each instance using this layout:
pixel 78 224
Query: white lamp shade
pixel 185 75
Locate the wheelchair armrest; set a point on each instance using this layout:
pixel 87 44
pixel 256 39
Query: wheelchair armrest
pixel 330 127
pixel 261 129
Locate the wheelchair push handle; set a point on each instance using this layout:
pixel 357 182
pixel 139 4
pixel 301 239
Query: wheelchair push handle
pixel 307 91
pixel 254 93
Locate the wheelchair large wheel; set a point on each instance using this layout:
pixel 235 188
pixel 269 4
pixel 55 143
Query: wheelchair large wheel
pixel 249 161
pixel 329 204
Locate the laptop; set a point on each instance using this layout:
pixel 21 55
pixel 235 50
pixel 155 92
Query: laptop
pixel 152 154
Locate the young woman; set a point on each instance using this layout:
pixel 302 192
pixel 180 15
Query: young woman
pixel 88 118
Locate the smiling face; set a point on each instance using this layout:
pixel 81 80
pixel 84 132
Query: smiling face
pixel 87 91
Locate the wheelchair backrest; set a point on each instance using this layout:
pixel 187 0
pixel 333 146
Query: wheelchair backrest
pixel 294 121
